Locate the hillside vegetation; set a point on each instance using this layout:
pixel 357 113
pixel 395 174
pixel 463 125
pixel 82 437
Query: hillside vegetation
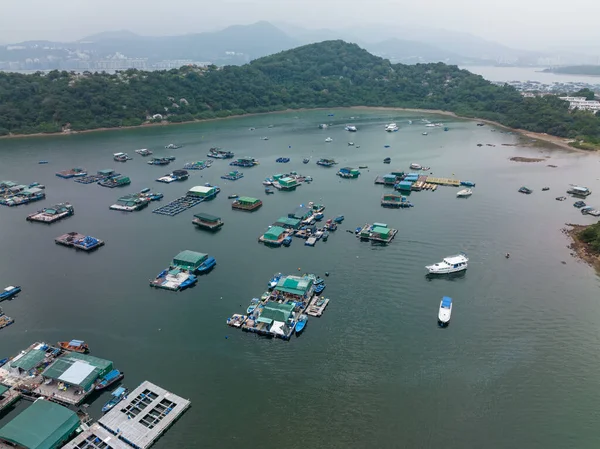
pixel 591 236
pixel 327 74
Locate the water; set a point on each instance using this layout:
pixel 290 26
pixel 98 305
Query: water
pixel 516 367
pixel 528 74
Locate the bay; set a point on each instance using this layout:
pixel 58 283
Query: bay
pixel 516 367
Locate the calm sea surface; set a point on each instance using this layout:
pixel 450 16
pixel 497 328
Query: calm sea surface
pixel 517 367
pixel 528 74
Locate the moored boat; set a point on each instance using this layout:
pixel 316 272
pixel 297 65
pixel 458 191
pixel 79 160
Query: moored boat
pixel 387 160
pixel 74 346
pixel 339 219
pixel 414 166
pixel 329 139
pixel 579 191
pixel 464 193
pixel 350 128
pixel 233 196
pixel 143 152
pixel 207 265
pixel 467 183
pixel 287 241
pixel 305 160
pixel 301 323
pixel 110 378
pixel 121 157
pixel 450 264
pixel 269 191
pixel 116 396
pixel 10 292
pixel 392 127
pixel 274 280
pixel 253 305
pixel 445 311
pixel 579 204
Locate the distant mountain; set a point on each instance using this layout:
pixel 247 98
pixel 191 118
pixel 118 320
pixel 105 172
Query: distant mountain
pixel 111 36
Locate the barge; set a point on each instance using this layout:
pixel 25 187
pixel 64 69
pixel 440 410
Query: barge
pixel 218 153
pixel 376 232
pixel 244 162
pixel 348 172
pixel 326 162
pixel 198 165
pixel 131 202
pixel 101 175
pixel 79 241
pixel 246 203
pixel 182 271
pixel 52 214
pixel 193 197
pixel 233 175
pixel 207 221
pixel 395 201
pixel 177 175
pixel 77 172
pixel 161 160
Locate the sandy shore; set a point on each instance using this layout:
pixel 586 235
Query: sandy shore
pixel 580 249
pixel 556 141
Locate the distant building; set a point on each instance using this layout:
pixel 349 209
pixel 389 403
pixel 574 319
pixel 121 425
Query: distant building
pixel 582 103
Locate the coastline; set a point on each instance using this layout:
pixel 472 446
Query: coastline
pixel 581 250
pixel 563 143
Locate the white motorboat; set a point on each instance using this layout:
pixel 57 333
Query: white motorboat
pixel 414 166
pixel 430 125
pixel 424 134
pixel 450 264
pixel 351 128
pixel 323 126
pixel 391 127
pixel 445 311
pixel 464 193
pixel 329 139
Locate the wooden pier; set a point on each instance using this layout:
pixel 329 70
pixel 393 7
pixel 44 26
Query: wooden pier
pixel 443 181
pixel 317 306
pixel 79 241
pixel 187 201
pixel 144 415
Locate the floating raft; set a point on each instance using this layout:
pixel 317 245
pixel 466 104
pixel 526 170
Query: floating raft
pixel 317 310
pixel 52 214
pixel 195 196
pixel 100 176
pixel 79 241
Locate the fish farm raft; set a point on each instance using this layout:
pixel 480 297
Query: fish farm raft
pixel 79 241
pixel 376 232
pixel 282 310
pixel 193 197
pixel 52 214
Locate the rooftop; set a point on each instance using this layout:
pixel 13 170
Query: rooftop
pixel 96 437
pixel 207 217
pixel 294 285
pixel 189 257
pixel 201 189
pixel 42 425
pixel 77 369
pixel 247 199
pixel 28 359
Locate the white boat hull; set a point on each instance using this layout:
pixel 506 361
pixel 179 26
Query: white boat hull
pixel 444 315
pixel 435 269
pixel 465 193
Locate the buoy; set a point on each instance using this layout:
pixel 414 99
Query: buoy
pixel 298 269
pixel 226 337
pixel 327 273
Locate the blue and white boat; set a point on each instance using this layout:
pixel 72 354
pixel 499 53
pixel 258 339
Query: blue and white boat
pixel 445 311
pixel 191 280
pixel 301 323
pixel 467 183
pixel 287 241
pixel 116 396
pixel 3 361
pixel 274 280
pixel 319 288
pixel 207 265
pixel 112 377
pixel 319 216
pixel 253 305
pixel 10 292
pixel 339 219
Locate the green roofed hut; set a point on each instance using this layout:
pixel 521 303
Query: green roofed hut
pixel 377 232
pixel 288 223
pixel 274 236
pixel 286 183
pixel 27 360
pixel 294 287
pixel 189 260
pixel 207 221
pixel 246 203
pixel 42 425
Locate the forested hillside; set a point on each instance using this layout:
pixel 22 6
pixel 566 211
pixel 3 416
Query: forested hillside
pixel 327 74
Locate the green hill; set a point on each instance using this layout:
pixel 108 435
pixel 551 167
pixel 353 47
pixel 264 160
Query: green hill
pixel 327 74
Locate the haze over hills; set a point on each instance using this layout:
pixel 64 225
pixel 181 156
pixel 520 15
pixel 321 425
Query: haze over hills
pixel 238 44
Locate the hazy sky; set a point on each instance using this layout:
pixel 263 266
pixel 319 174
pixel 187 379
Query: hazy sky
pixel 530 24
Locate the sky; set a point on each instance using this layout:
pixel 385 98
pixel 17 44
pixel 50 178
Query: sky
pixel 525 24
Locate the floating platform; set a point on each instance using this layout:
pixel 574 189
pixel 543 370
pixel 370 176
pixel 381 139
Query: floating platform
pixel 443 181
pixel 131 203
pixel 377 232
pixel 174 280
pixel 179 205
pixel 25 196
pixel 198 165
pixel 115 181
pixel 237 320
pixel 233 175
pixel 79 241
pixel 207 221
pixel 100 176
pixel 144 415
pixel 5 320
pixel 52 214
pixel 96 437
pixel 317 306
pixel 246 203
pixel 72 173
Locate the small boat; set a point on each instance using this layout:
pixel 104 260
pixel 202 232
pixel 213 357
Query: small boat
pixel 305 160
pixel 545 189
pixel 320 302
pixel 357 146
pixel 264 138
pixel 424 134
pixel 339 219
pixel 350 144
pixel 561 198
pixel 386 146
pixel 282 160
pixel 287 241
pixel 311 241
pixel 269 191
pixel 445 311
pixel 145 190
pixel 251 129
pixel 446 128
pixel 267 182
pixel 363 166
pixel 387 160
pixel 301 323
pixel 74 346
pixel 143 152
pixel 392 127
pixel 121 157
pixel 253 305
pixel 117 396
pixel 207 265
pixel 467 183
pixel 191 280
pixel 112 377
pixel 172 146
pixel 4 360
pixel 357 230
pixel 414 166
pixel 350 128
pixel 10 292
pixel 42 162
pixel 233 196
pixel 274 280
pixel 325 235
pixel 450 264
pixel 589 210
pixel 318 216
pixel 329 139
pixel 323 126
pixel 464 193
pixel 579 204
pixel 525 190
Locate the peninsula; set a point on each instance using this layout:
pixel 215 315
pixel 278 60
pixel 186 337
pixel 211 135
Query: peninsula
pixel 323 75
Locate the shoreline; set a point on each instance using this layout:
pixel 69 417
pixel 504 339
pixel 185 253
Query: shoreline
pixel 553 140
pixel 581 250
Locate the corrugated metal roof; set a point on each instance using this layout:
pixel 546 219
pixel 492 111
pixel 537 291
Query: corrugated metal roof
pixel 247 199
pixel 207 217
pixel 60 369
pixel 274 232
pixel 42 425
pixel 188 256
pixel 29 360
pixel 3 389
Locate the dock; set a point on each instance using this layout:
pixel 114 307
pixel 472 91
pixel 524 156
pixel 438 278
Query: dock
pixel 317 306
pixel 96 437
pixel 377 232
pixel 192 198
pixel 443 181
pixel 52 214
pixel 144 415
pixel 79 241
